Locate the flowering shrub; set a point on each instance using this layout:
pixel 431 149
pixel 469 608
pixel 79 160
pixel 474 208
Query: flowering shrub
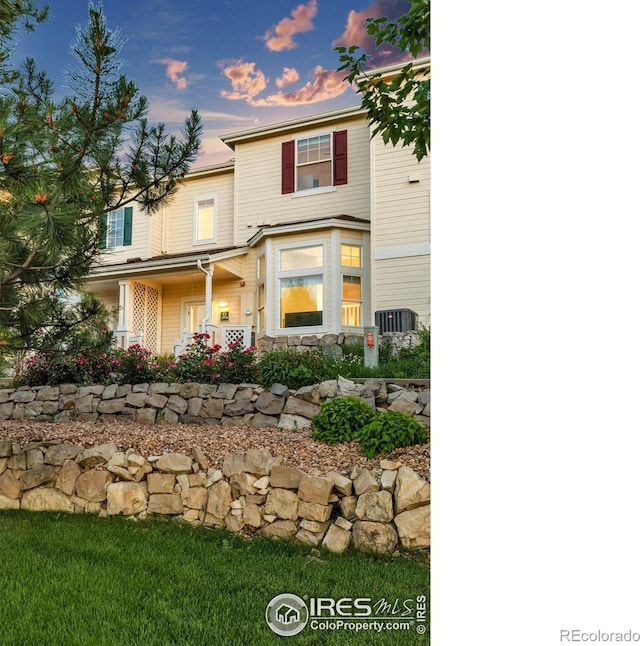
pixel 237 365
pixel 134 365
pixel 206 364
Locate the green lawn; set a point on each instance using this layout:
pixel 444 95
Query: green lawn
pixel 77 579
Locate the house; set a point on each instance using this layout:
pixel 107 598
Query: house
pixel 310 230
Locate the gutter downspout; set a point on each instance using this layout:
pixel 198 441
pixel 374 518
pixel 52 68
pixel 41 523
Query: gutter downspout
pixel 208 298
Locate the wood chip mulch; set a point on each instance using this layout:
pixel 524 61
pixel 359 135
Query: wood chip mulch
pixel 297 448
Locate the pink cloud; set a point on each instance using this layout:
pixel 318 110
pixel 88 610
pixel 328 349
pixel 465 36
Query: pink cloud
pixel 174 69
pixel 355 32
pixel 289 77
pixel 326 84
pixel 280 37
pixel 246 81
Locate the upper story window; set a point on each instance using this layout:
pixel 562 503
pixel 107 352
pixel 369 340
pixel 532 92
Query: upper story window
pixel 204 219
pixel 118 227
pixel 314 162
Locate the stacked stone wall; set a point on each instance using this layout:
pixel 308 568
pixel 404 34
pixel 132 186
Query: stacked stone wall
pixel 381 510
pixel 227 404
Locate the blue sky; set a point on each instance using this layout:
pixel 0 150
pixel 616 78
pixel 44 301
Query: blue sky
pixel 241 63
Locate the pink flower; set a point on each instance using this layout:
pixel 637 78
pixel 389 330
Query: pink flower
pixel 208 362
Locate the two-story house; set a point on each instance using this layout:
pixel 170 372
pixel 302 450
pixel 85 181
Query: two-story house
pixel 310 230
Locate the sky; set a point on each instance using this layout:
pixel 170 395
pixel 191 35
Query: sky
pixel 240 63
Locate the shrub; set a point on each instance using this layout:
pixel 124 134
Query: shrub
pixel 237 365
pixel 51 368
pixel 341 419
pixel 391 430
pixel 197 361
pixel 294 369
pixel 133 365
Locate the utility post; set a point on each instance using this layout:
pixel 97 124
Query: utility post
pixel 371 346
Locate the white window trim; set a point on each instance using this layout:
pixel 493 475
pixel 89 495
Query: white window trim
pixel 320 189
pixel 118 247
pixel 196 201
pixel 301 273
pixel 339 270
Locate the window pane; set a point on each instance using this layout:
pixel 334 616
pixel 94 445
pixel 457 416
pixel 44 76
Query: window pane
pixel 115 235
pixel 260 296
pixel 351 255
pixel 302 258
pixel 351 287
pixel 205 220
pixel 301 301
pixel 351 303
pixel 314 175
pixel 195 315
pixel 261 267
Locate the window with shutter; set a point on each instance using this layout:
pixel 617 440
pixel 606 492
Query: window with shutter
pixel 314 162
pixel 118 228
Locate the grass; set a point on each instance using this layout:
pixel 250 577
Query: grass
pixel 78 580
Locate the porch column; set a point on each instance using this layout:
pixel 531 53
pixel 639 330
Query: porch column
pixel 124 311
pixel 207 323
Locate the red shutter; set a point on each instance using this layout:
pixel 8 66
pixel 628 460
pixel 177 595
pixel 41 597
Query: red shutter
pixel 339 157
pixel 288 166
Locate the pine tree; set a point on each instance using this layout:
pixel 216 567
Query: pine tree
pixel 66 162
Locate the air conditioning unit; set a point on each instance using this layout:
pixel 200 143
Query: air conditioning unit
pixel 401 320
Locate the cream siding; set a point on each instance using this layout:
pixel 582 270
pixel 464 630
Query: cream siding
pixel 138 248
pixel 400 231
pixel 259 199
pixel 404 285
pixel 179 224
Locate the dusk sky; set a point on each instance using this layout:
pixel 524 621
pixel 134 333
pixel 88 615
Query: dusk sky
pixel 239 63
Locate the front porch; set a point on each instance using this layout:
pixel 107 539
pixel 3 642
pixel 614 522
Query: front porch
pixel 161 305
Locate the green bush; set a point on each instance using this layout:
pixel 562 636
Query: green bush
pixel 391 430
pixel 341 419
pixel 291 368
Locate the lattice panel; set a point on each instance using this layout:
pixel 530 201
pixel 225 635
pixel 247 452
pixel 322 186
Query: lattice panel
pixel 139 307
pixel 235 335
pixel 151 329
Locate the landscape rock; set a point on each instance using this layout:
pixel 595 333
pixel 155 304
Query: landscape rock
pixel 336 539
pixel 258 461
pixel 97 455
pixel 126 498
pixel 38 476
pixel 314 511
pixel 293 422
pixel 161 482
pixel 282 503
pixel 315 489
pixel 269 404
pixel 301 407
pixel 219 502
pixel 284 529
pixel 285 477
pixel 174 463
pixel 365 483
pixel 9 485
pixel 376 506
pixel 375 537
pixel 165 503
pixel 92 485
pixel 46 499
pixel 9 503
pixel 59 453
pixel 67 477
pixel 414 527
pixel 411 490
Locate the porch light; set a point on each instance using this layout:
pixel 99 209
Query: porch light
pixel 222 304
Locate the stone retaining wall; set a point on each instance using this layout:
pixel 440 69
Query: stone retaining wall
pixel 228 404
pixel 253 493
pixel 305 343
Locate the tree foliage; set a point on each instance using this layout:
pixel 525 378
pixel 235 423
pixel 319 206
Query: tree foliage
pixel 64 163
pixel 398 109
